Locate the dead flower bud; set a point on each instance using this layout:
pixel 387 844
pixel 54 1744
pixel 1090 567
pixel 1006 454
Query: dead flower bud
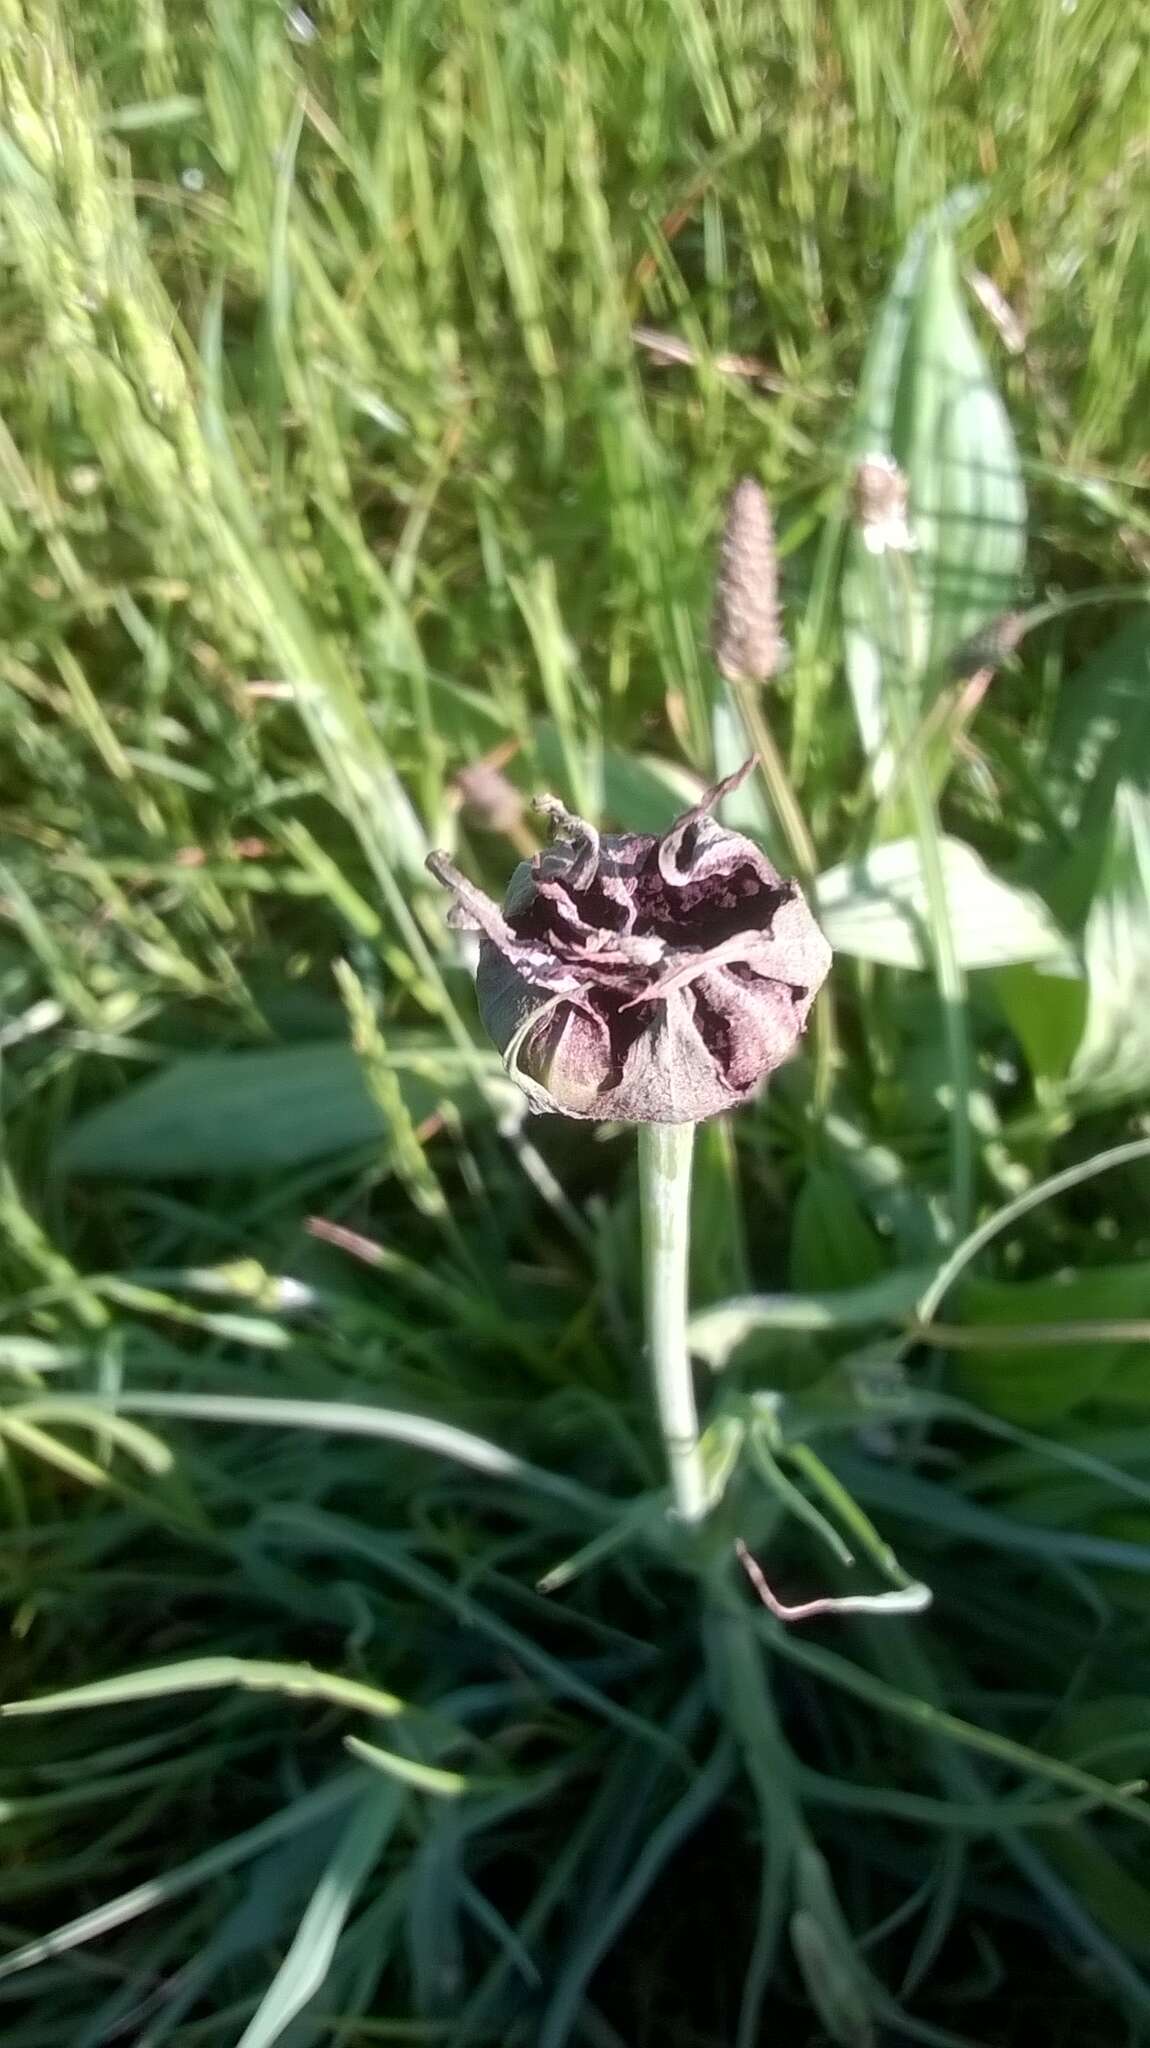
pixel 881 503
pixel 745 638
pixel 640 979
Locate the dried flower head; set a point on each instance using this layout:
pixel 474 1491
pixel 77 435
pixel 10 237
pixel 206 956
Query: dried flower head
pixel 643 979
pixel 745 638
pixel 881 503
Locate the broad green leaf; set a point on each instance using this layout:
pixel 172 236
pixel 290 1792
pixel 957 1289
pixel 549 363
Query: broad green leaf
pixel 718 1229
pixel 876 909
pixel 927 400
pixel 1045 1012
pixel 833 1245
pixel 746 809
pixel 1112 1060
pixel 879 382
pixel 1101 731
pixel 1029 1383
pixel 635 792
pixel 259 1112
pixel 953 438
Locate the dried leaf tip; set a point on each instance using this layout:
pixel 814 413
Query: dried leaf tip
pixel 745 638
pixel 993 644
pixel 881 497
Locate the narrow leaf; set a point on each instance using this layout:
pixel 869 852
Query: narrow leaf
pixel 308 1960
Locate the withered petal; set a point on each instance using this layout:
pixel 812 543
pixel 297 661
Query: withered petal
pixel 670 1076
pixel 759 1024
pixel 696 845
pixel 473 911
pixel 574 856
pixel 565 1055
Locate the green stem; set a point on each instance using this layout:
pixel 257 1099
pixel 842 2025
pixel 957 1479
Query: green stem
pixel 950 980
pixel 801 847
pixel 665 1210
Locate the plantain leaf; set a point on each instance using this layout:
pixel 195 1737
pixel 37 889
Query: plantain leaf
pixel 833 1243
pixel 952 435
pixel 635 792
pixel 1031 1382
pixel 927 400
pixel 1112 1060
pixel 262 1111
pixel 1046 1013
pixel 1101 731
pixel 877 909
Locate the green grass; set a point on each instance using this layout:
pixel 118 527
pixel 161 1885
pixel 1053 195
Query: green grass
pixel 328 467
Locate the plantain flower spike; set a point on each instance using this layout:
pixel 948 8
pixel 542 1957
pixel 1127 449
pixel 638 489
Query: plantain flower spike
pixel 745 637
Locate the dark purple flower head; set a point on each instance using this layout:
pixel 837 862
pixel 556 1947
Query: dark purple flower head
pixel 639 979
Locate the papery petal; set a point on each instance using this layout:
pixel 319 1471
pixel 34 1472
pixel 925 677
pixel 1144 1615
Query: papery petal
pixel 755 949
pixel 697 846
pixel 799 953
pixel 567 1057
pixel 669 1076
pixel 614 885
pixel 761 1023
pixel 473 911
pixel 574 854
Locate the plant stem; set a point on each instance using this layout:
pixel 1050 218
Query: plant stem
pixel 793 825
pixel 950 980
pixel 665 1209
